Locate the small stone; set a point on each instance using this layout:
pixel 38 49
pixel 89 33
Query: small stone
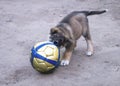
pixel 117 45
pixel 106 61
pixel 78 65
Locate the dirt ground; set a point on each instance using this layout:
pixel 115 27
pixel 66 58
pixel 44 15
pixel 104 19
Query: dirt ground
pixel 25 22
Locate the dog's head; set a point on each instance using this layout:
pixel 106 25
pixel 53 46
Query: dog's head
pixel 57 36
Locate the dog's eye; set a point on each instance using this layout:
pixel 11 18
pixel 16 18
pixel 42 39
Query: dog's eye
pixel 62 39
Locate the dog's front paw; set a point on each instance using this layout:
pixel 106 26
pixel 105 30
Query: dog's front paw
pixel 89 53
pixel 64 62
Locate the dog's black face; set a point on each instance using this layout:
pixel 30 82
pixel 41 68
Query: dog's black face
pixel 57 37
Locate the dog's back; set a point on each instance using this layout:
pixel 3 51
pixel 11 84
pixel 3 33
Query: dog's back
pixel 78 20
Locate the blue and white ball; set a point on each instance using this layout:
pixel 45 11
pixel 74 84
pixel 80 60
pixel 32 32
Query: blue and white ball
pixel 45 56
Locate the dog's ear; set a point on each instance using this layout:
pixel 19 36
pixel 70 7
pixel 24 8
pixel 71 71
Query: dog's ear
pixel 54 30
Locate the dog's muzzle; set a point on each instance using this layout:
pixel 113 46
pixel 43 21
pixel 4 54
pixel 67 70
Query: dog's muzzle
pixel 57 40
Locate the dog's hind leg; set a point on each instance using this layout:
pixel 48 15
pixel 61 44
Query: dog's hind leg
pixel 89 47
pixel 88 39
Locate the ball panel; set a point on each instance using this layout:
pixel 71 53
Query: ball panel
pixel 56 53
pixel 42 54
pixel 42 49
pixel 39 65
pixel 50 68
pixel 49 65
pixel 39 60
pixel 35 64
pixel 52 58
pixel 49 51
pixel 43 66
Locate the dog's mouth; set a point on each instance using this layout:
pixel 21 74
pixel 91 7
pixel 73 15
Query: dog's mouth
pixel 57 39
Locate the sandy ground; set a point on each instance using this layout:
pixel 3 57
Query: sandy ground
pixel 25 22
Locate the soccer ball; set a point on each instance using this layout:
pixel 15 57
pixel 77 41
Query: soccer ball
pixel 45 57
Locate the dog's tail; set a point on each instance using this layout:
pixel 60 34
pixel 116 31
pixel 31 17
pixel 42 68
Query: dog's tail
pixel 88 13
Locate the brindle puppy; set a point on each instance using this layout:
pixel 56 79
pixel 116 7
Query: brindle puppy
pixel 69 30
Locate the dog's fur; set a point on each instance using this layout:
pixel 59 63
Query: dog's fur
pixel 70 29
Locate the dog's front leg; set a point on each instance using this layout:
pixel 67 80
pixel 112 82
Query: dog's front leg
pixel 66 57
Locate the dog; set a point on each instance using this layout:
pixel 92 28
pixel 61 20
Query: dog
pixel 69 30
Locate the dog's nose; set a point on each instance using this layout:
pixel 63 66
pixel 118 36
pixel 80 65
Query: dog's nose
pixel 55 42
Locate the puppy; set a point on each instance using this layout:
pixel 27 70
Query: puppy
pixel 69 30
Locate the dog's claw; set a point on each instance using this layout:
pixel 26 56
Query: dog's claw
pixel 64 62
